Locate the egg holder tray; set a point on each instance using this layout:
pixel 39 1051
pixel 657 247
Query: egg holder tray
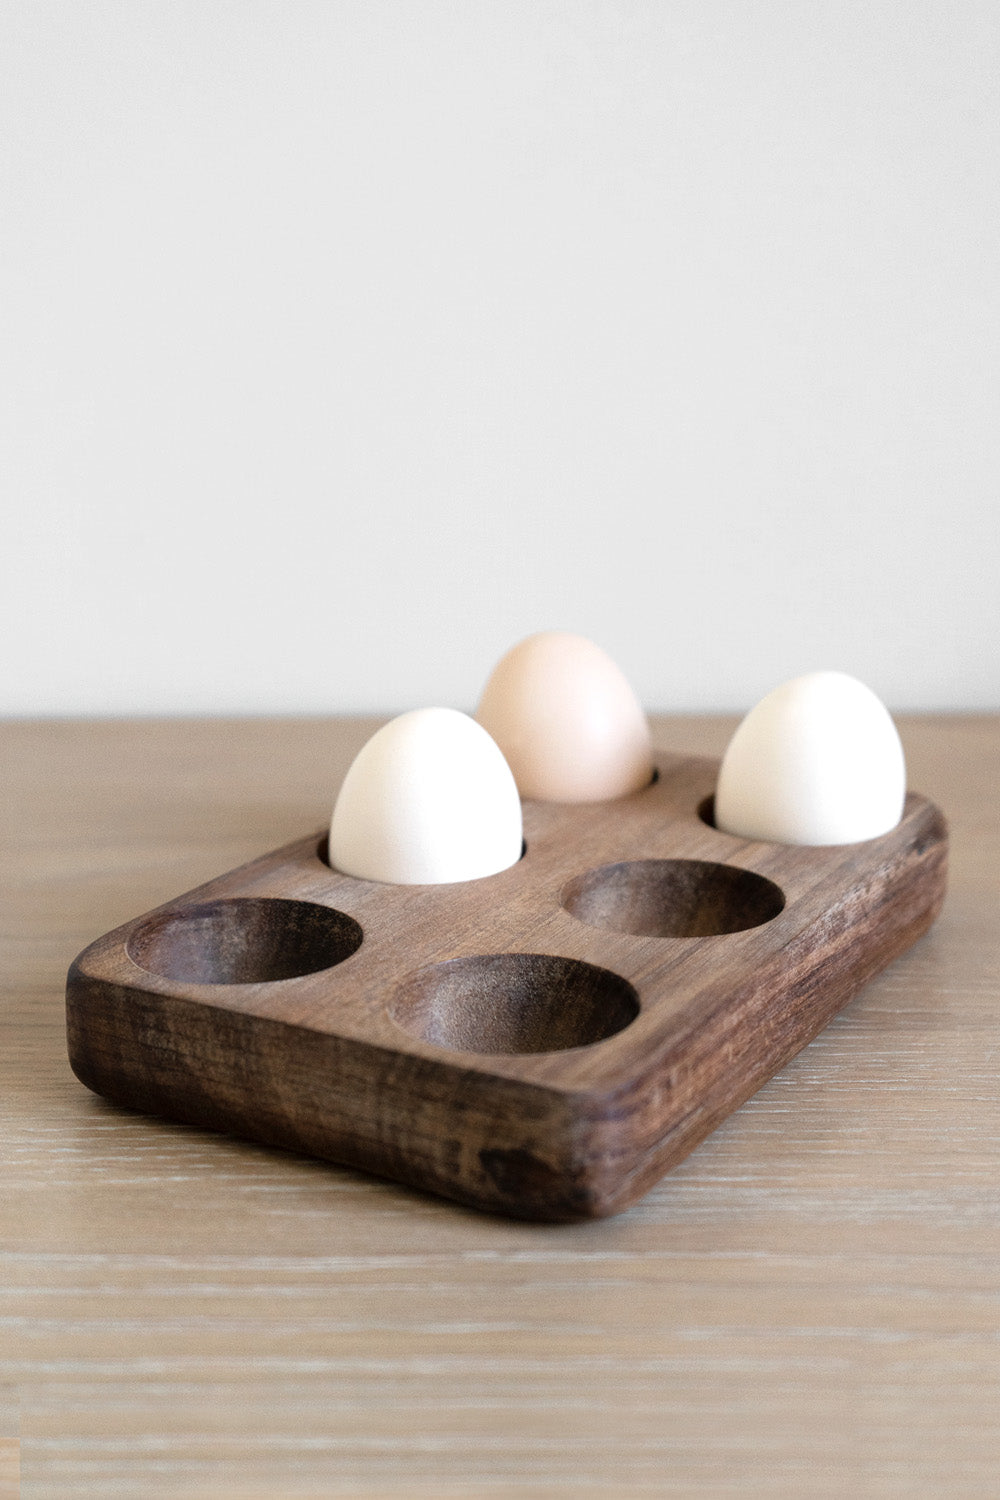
pixel 545 1042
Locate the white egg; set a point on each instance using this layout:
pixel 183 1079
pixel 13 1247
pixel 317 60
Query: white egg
pixel 428 800
pixel 567 720
pixel 818 761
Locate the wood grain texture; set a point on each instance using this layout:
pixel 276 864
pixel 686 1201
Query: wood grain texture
pixel 10 1445
pixel 546 1042
pixel 808 1305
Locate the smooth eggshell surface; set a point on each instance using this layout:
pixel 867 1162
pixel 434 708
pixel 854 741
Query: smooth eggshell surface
pixel 428 800
pixel 818 761
pixel 567 720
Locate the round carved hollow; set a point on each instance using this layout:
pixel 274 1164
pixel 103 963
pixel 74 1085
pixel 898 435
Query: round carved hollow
pixel 514 1002
pixel 672 898
pixel 250 940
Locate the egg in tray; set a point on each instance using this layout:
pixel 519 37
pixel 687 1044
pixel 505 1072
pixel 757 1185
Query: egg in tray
pixel 533 962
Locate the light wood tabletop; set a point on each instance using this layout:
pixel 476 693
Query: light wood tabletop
pixel 808 1305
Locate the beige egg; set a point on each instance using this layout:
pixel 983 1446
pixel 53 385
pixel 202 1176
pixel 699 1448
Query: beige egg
pixel 569 724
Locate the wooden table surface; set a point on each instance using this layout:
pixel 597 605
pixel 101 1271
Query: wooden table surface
pixel 807 1306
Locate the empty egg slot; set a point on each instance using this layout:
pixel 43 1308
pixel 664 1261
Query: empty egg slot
pixel 514 1003
pixel 672 898
pixel 245 940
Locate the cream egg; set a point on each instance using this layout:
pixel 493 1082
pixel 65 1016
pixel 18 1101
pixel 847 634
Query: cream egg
pixel 567 720
pixel 428 800
pixel 818 761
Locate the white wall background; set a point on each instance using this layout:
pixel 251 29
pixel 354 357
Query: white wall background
pixel 342 344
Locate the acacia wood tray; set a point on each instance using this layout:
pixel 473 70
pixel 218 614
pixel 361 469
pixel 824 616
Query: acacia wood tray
pixel 546 1042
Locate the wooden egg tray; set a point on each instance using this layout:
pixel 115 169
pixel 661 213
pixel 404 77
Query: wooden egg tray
pixel 545 1042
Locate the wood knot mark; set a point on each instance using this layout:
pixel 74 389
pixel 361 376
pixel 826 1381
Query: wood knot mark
pixel 518 1173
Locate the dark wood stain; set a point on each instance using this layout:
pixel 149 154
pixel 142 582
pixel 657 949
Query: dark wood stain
pixel 544 1043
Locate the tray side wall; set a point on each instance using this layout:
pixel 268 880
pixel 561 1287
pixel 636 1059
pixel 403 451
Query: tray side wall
pixel 432 1125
